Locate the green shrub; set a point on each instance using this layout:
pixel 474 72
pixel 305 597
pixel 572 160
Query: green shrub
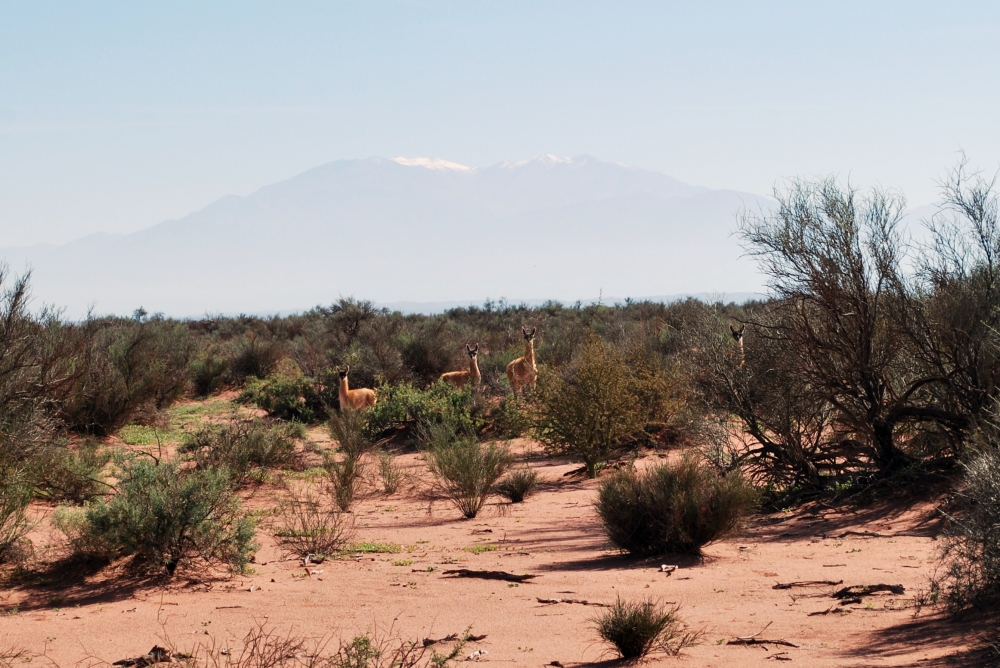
pixel 16 494
pixel 76 476
pixel 635 628
pixel 518 485
pixel 391 472
pixel 307 529
pixel 350 430
pixel 404 405
pixel 510 418
pixel 672 507
pixel 242 447
pixel 288 398
pixel 161 515
pixel 252 356
pixel 208 375
pixel 589 409
pixel 972 549
pixel 346 476
pixel 129 370
pixel 467 471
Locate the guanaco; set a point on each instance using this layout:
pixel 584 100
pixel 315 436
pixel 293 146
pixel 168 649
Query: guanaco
pixel 354 399
pixel 738 337
pixel 460 378
pixel 523 371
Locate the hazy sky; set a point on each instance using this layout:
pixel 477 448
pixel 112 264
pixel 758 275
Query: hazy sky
pixel 115 116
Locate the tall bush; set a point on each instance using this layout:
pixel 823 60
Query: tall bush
pixel 588 409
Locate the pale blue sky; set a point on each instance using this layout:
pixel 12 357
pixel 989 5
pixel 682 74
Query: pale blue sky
pixel 115 116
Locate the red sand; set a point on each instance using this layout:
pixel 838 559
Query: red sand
pixel 556 535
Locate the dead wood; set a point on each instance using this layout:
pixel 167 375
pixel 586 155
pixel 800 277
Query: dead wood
pixel 488 575
pixel 755 640
pixel 855 591
pixel 806 583
pixel 550 601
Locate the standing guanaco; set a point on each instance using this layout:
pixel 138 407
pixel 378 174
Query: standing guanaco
pixel 460 378
pixel 523 371
pixel 354 399
pixel 738 337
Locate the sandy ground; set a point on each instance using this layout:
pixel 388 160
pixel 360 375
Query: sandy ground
pixel 68 617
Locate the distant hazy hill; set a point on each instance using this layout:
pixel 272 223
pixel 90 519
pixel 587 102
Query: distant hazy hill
pixel 420 230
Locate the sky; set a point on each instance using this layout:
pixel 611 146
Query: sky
pixel 116 116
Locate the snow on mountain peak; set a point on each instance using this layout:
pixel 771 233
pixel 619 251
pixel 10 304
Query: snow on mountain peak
pixel 433 163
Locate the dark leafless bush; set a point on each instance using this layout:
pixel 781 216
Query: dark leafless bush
pixel 307 529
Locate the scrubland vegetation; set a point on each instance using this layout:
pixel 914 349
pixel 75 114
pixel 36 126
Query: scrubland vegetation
pixel 874 368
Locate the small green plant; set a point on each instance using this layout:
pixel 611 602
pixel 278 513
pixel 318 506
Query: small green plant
pixel 162 514
pixel 374 548
pixel 403 405
pixel 288 398
pixel 635 628
pixel 467 470
pixel 346 477
pixel 672 507
pixel 208 375
pixel 518 485
pixel 479 549
pixel 305 528
pixel 403 562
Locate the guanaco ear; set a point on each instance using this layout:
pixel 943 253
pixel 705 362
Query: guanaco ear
pixel 476 349
pixel 524 330
pixel 468 348
pixel 533 330
pixel 347 370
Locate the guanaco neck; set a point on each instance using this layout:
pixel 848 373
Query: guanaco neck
pixel 344 389
pixel 743 357
pixel 474 370
pixel 529 353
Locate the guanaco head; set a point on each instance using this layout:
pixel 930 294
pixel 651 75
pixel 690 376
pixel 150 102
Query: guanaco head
pixel 737 333
pixel 343 373
pixel 528 336
pixel 470 351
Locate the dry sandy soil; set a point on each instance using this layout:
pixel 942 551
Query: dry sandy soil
pixel 68 616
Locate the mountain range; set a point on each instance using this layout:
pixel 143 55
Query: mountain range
pixel 419 231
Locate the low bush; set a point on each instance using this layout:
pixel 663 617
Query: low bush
pixel 467 471
pixel 404 405
pixel 509 418
pixel 15 494
pixel 253 356
pixel 289 398
pixel 307 529
pixel 243 447
pixel 161 515
pixel 972 550
pixel 391 472
pixel 635 628
pixel 672 507
pixel 346 476
pixel 518 485
pixel 75 475
pixel 208 375
pixel 350 430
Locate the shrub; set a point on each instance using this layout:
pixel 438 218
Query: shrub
pixel 306 529
pixel 509 418
pixel 349 430
pixel 208 375
pixel 162 514
pixel 129 370
pixel 15 495
pixel 588 410
pixel 76 476
pixel 391 472
pixel 635 628
pixel 518 485
pixel 243 447
pixel 404 405
pixel 288 398
pixel 253 357
pixel 676 507
pixel 346 478
pixel 972 551
pixel 467 471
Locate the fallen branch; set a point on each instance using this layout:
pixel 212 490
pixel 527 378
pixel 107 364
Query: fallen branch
pixel 855 591
pixel 754 640
pixel 550 601
pixel 488 575
pixel 156 655
pixel 427 642
pixel 806 583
